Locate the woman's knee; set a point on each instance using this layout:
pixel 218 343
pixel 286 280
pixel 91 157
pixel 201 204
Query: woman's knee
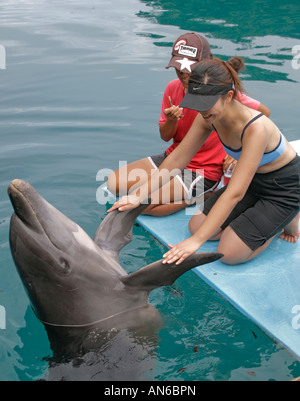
pixel 121 181
pixel 195 222
pixel 235 251
pixel 112 183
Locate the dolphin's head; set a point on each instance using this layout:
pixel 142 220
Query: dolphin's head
pixel 74 281
pixel 68 278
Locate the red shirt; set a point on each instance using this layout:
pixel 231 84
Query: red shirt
pixel 210 156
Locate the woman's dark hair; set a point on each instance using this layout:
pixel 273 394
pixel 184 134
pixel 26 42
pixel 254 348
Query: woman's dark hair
pixel 219 72
pixel 237 64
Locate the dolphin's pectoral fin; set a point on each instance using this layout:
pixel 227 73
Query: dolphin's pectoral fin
pixel 158 274
pixel 116 229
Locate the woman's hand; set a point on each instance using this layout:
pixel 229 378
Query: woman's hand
pixel 182 250
pixel 125 203
pixel 229 164
pixel 173 113
pixel 169 128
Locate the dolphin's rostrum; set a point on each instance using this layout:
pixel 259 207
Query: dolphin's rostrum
pixel 91 308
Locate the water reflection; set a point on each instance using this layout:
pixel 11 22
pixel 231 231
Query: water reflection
pixel 264 36
pixel 232 19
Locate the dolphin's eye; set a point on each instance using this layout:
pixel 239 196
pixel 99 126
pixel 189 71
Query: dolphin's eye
pixel 65 265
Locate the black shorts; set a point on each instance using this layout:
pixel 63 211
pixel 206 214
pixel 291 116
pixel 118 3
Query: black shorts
pixel 271 202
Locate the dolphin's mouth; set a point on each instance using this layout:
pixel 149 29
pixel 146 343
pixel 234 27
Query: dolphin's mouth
pixel 18 192
pixel 39 216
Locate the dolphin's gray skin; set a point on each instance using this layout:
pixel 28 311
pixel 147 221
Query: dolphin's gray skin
pixel 98 318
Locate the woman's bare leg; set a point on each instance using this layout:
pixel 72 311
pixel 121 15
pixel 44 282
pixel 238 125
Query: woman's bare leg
pixel 197 220
pixel 121 181
pixel 235 251
pixel 168 200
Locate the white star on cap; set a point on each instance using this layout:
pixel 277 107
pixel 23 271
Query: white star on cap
pixel 185 63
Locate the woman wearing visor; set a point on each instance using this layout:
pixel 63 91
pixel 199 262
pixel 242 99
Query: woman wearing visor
pixel 262 198
pixel 204 172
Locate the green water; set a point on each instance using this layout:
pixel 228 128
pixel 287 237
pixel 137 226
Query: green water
pixel 82 90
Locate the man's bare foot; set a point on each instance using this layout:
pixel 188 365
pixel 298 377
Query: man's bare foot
pixel 291 231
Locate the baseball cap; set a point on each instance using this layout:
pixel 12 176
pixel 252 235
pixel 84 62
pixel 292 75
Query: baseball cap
pixel 188 50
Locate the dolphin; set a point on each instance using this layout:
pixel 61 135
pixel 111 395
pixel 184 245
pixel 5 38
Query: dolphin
pixel 99 321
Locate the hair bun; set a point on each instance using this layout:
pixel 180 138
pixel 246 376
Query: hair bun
pixel 236 63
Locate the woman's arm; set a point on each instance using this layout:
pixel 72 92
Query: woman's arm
pixel 171 166
pixel 264 109
pixel 253 103
pixel 170 115
pixel 169 127
pixel 254 145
